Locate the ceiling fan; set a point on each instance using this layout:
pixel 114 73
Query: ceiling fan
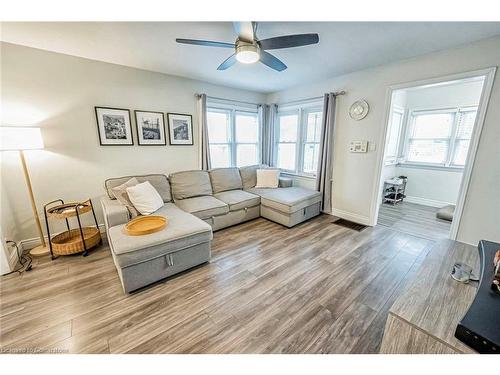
pixel 249 49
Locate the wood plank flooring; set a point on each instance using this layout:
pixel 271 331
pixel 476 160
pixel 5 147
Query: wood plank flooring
pixel 315 288
pixel 414 219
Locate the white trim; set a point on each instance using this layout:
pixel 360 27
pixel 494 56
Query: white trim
pixel 473 147
pixel 438 167
pixel 360 219
pixel 231 104
pixel 307 177
pixel 30 243
pixel 426 202
pixel 489 75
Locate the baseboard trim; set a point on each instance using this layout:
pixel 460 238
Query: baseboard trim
pixel 360 219
pixel 30 243
pixel 426 202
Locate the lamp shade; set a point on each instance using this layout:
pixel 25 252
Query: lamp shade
pixel 20 138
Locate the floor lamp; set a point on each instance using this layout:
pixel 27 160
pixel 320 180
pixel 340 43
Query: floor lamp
pixel 21 139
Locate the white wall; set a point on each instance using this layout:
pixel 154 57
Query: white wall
pixel 466 93
pixel 355 174
pixel 58 93
pixel 431 187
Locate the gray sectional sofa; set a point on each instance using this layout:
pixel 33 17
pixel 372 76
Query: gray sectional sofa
pixel 196 204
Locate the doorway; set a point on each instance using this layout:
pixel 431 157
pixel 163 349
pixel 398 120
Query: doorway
pixel 431 137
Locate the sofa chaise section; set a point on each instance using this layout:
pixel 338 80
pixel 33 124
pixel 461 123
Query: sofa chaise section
pixel 289 206
pixel 142 260
pixel 286 205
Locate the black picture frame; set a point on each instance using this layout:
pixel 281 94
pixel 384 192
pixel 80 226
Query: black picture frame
pixel 171 137
pixel 129 140
pixel 140 138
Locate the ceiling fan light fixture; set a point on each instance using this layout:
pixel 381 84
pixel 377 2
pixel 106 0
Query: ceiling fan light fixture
pixel 247 54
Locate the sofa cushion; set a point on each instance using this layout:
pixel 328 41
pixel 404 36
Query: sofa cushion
pixel 287 200
pixel 188 184
pixel 238 199
pixel 224 179
pixel 203 207
pixel 183 230
pixel 159 182
pixel 249 175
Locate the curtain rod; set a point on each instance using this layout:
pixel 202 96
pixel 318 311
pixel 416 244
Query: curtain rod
pixel 337 93
pixel 227 100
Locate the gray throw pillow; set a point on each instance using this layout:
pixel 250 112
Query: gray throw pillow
pixel 120 192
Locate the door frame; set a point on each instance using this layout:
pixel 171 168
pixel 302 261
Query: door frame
pixel 489 77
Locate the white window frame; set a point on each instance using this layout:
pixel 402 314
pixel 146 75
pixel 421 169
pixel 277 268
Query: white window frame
pixel 448 164
pixel 232 109
pixel 302 110
pixel 393 160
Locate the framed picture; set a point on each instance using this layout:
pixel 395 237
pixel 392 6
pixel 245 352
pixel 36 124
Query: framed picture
pixel 180 128
pixel 113 125
pixel 150 128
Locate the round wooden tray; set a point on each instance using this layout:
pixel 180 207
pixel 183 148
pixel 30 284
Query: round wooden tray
pixel 66 210
pixel 70 242
pixel 145 225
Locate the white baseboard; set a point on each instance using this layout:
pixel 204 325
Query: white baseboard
pixel 30 243
pixel 426 202
pixel 360 219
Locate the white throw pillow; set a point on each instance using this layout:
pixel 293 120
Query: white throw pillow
pixel 145 198
pixel 268 178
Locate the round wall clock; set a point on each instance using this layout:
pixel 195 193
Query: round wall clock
pixel 359 109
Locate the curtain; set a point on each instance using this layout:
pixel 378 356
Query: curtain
pixel 267 117
pixel 202 115
pixel 325 163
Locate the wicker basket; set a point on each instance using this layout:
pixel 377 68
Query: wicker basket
pixel 70 242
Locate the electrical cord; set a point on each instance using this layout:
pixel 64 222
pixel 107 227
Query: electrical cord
pixel 25 260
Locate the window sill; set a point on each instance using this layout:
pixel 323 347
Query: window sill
pixel 434 167
pixel 296 175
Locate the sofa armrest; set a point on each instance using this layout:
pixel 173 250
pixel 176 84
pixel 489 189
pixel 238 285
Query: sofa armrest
pixel 114 212
pixel 285 182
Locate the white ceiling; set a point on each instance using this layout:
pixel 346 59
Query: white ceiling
pixel 344 46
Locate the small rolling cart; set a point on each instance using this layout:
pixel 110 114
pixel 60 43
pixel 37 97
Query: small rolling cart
pixel 76 240
pixel 394 190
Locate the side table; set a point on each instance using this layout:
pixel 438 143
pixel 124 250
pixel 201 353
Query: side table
pixel 71 241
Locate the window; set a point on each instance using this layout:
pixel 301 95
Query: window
pixel 219 135
pixel 466 120
pixel 393 135
pixel 234 137
pixel 247 139
pixel 287 141
pixel 440 137
pixel 298 136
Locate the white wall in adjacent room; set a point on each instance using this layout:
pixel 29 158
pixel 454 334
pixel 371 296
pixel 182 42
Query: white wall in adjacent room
pixel 431 187
pixel 58 93
pixel 354 175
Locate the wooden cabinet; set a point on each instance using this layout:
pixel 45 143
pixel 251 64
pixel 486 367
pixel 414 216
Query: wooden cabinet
pixel 424 318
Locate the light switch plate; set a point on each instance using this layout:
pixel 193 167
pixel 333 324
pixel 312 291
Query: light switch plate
pixel 358 146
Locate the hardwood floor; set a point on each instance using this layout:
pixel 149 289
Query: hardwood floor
pixel 414 219
pixel 315 288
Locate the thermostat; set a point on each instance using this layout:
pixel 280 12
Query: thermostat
pixel 358 146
